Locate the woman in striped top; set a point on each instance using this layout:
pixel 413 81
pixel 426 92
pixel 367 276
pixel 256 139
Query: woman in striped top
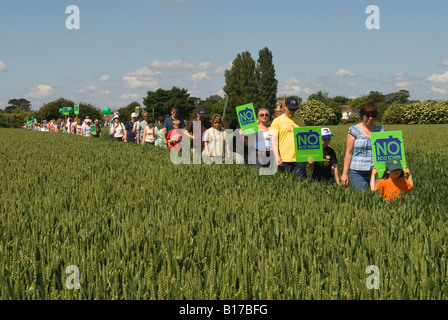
pixel 358 155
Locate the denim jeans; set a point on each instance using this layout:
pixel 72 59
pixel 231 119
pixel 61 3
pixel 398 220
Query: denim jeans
pixel 297 168
pixel 360 180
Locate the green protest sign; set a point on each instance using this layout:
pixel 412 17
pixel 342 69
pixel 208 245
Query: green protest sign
pixel 387 145
pixel 65 111
pixel 137 110
pixel 93 129
pixel 247 118
pixel 308 143
pixel 76 109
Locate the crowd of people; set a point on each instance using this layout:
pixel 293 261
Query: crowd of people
pixel 273 145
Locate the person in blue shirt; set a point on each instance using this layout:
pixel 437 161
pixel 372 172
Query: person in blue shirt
pixel 168 124
pixel 131 130
pixel 358 161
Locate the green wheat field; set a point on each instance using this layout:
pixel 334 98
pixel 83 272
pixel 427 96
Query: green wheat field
pixel 139 227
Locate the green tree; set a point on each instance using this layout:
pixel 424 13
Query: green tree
pixel 341 100
pixel 328 102
pixel 319 96
pixel 163 100
pixel 400 97
pixel 125 112
pixel 266 82
pixel 241 81
pixel 21 104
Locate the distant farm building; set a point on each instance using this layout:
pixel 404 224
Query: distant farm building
pixel 347 111
pixel 279 107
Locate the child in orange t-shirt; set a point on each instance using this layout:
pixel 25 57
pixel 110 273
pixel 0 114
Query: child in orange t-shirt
pixel 174 137
pixel 393 184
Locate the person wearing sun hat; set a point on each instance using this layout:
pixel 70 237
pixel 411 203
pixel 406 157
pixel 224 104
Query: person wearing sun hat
pixel 118 128
pixel 326 170
pixel 282 137
pixel 393 183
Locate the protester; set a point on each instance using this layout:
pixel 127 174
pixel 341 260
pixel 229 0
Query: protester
pixel 358 156
pixel 168 124
pixel 142 125
pixel 73 126
pixel 118 129
pixel 260 151
pixel 199 122
pixel 282 132
pixel 393 184
pixel 149 135
pixel 79 127
pixel 97 129
pixel 63 125
pixel 131 132
pixel 175 136
pixel 159 133
pixel 86 128
pixel 326 170
pixel 215 141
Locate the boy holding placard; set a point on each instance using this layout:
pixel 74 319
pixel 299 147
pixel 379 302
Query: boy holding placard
pixel 327 169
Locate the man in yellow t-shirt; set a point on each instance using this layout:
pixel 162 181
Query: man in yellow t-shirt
pixel 282 132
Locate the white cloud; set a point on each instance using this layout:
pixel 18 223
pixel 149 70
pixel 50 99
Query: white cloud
pixel 403 85
pixel 292 88
pixel 41 91
pixel 188 65
pixel 142 78
pixel 221 93
pixel 445 62
pixel 104 77
pixel 205 65
pixel 167 65
pixel 352 85
pixel 92 91
pixel 3 67
pixel 439 90
pixel 130 96
pixel 344 73
pixel 221 70
pixel 397 75
pixel 198 78
pixel 439 78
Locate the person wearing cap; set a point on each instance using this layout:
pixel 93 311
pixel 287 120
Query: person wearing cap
pixel 97 129
pixel 326 170
pixel 168 124
pixel 393 184
pixel 86 128
pixel 118 128
pixel 358 161
pixel 282 134
pixel 196 128
pixel 131 132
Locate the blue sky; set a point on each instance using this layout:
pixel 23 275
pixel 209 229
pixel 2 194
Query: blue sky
pixel 125 48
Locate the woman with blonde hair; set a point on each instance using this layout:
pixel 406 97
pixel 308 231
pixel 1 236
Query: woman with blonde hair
pixel 262 147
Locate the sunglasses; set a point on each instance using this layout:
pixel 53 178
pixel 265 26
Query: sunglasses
pixel 264 115
pixel 216 122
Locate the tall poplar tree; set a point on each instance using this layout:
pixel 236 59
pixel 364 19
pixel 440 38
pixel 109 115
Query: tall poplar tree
pixel 241 80
pixel 266 81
